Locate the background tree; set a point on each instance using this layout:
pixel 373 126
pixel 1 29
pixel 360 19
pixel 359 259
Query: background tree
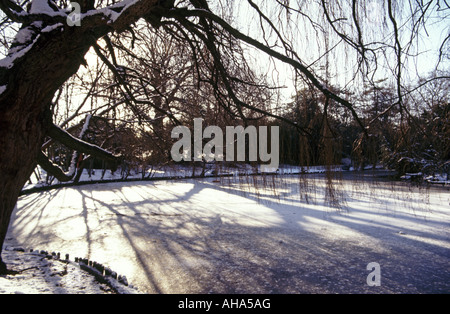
pixel 420 143
pixel 309 110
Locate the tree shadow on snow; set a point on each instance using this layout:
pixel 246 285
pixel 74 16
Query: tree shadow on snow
pixel 209 236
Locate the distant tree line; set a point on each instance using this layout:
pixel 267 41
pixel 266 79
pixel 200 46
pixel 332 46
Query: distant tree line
pixel 416 140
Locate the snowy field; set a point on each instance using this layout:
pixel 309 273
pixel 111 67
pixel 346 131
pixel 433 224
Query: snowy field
pixel 226 236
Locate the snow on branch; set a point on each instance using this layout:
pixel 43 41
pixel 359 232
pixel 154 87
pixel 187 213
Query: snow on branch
pixel 13 11
pixel 70 141
pixel 45 7
pixel 110 13
pixel 16 53
pixel 40 10
pixel 73 162
pixel 48 11
pixel 25 40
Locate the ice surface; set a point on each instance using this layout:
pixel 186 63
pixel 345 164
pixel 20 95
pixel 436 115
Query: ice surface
pixel 208 235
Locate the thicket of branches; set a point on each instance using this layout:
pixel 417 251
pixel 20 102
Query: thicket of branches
pixel 140 83
pixel 417 143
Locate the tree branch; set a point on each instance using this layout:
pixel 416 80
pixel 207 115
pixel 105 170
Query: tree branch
pixel 53 168
pixel 179 13
pixel 70 141
pixel 13 11
pixel 398 52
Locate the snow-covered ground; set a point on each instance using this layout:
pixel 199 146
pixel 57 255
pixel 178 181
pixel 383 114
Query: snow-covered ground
pixel 229 235
pixel 40 273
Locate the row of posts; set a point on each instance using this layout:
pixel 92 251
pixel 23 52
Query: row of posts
pixel 101 269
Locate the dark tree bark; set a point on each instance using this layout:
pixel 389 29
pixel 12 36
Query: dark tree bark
pixel 25 115
pixel 31 82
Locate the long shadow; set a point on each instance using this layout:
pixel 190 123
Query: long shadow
pixel 357 225
pixel 180 245
pixel 417 210
pixel 36 204
pixel 431 258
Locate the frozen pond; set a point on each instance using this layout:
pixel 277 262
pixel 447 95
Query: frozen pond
pixel 203 236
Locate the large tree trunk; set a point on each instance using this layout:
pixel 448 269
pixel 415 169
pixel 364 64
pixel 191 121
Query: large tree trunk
pixel 25 115
pixel 29 86
pixel 21 135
